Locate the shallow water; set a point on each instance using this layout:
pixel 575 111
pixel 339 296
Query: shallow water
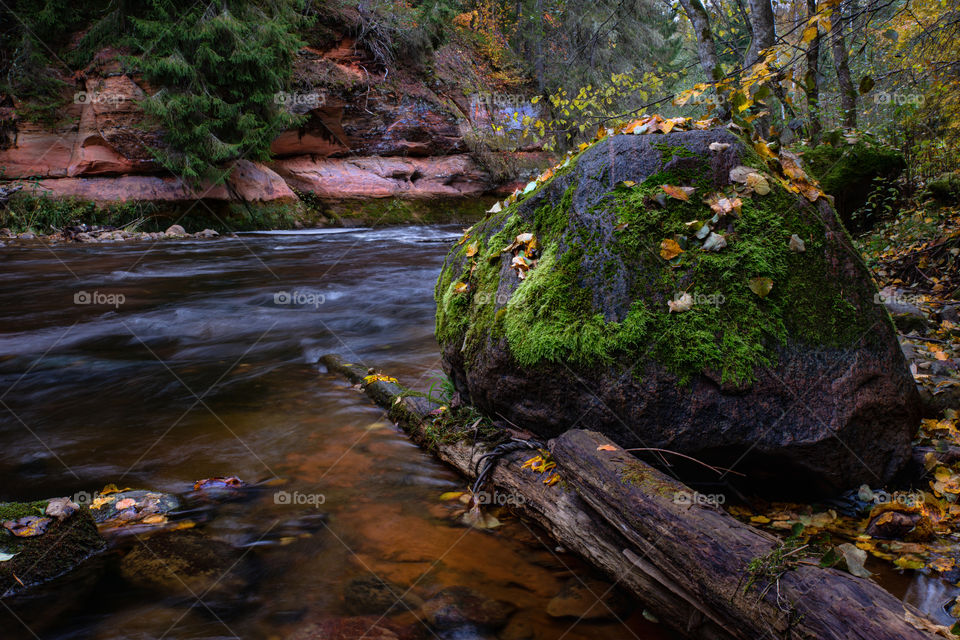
pixel 207 366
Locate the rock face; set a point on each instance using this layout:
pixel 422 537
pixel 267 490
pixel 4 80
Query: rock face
pixel 362 138
pixel 803 388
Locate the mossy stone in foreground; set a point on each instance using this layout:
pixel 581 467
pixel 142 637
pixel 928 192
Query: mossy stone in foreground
pixel 805 387
pixel 63 546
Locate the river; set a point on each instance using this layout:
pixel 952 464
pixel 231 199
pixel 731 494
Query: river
pixel 152 366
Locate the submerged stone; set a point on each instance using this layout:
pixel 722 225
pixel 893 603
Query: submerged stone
pixel 780 364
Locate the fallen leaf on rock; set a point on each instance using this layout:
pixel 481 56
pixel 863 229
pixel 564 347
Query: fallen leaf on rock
pixel 683 302
pixel 154 519
pixel 126 504
pixel 472 250
pixel 101 500
pixel 680 193
pixel 496 208
pixel 61 508
pixel 761 286
pixel 796 244
pixel 758 184
pixel 715 242
pixel 621 226
pixel 451 495
pixel 461 287
pixel 629 183
pixel 669 249
pixel 855 558
pixel 28 527
pixel 607 447
pixel 741 173
pixel 719 146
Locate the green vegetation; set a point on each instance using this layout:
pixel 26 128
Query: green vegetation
pixel 553 315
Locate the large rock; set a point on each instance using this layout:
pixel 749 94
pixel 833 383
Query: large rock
pixel 46 539
pixel 805 388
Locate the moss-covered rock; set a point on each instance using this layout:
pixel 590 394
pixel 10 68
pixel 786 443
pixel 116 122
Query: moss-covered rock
pixel 805 386
pixel 945 188
pixel 62 546
pixel 850 173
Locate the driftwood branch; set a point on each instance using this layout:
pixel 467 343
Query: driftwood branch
pixel 686 562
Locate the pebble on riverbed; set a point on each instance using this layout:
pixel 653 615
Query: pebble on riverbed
pixel 85 234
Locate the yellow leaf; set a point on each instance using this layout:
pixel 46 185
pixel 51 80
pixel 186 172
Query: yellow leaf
pixel 809 34
pixel 451 495
pixel 669 249
pixel 377 377
pixel 472 250
pixel 461 287
pixel 680 193
pixel 760 520
pixel 761 286
pixel 154 519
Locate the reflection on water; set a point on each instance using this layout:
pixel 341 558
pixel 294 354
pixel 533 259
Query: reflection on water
pixel 208 368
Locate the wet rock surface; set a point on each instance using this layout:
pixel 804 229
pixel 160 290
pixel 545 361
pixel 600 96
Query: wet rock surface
pixel 834 375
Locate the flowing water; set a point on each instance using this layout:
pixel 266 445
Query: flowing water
pixel 155 366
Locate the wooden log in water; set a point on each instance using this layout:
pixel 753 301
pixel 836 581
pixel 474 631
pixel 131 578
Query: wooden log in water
pixel 686 561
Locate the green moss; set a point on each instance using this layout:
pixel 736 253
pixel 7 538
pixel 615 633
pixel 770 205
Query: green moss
pixel 553 317
pixel 392 211
pixel 16 510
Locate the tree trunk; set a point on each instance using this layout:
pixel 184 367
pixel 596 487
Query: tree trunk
pixel 762 29
pixel 706 48
pixel 812 80
pixel 686 560
pixel 848 94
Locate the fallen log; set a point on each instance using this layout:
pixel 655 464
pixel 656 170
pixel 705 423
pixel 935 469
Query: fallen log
pixel 687 562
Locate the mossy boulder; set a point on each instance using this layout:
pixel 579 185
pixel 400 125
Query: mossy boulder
pixel 64 543
pixel 804 388
pixel 850 173
pixel 945 188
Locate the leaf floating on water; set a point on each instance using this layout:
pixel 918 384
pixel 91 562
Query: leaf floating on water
pixel 680 193
pixel 761 286
pixel 796 244
pixel 28 527
pixel 684 302
pixel 855 558
pixel 476 518
pixel 669 249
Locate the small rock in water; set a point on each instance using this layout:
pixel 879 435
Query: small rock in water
pixel 175 230
pixel 458 606
pixel 373 595
pixel 208 233
pixel 587 599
